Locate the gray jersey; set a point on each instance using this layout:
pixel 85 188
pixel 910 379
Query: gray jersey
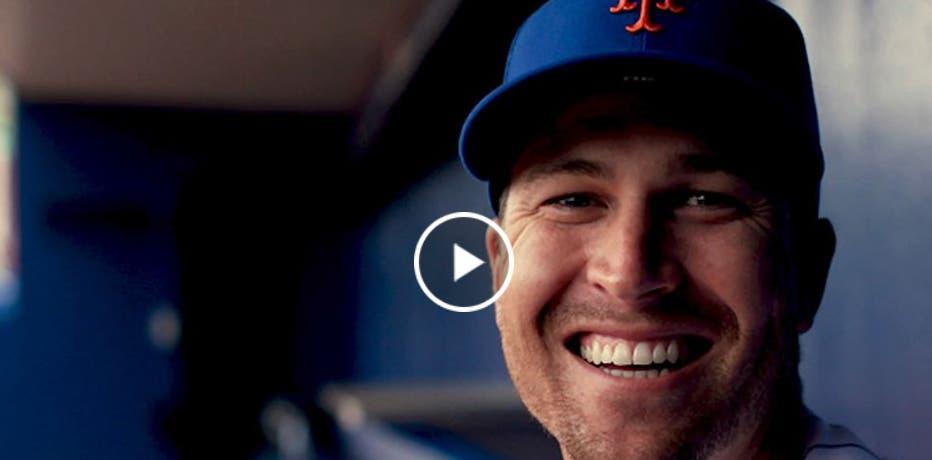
pixel 834 442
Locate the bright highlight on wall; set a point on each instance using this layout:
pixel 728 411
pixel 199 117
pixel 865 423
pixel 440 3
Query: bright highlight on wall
pixel 9 262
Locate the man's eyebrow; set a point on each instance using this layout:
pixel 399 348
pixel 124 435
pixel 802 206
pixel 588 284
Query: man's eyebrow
pixel 699 162
pixel 573 166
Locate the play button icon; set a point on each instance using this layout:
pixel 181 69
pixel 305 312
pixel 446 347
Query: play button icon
pixel 464 263
pixel 461 283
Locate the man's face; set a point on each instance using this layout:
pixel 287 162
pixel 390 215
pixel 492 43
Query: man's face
pixel 647 316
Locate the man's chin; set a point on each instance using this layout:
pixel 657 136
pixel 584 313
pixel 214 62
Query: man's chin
pixel 691 416
pixel 602 416
pixel 649 427
pixel 660 436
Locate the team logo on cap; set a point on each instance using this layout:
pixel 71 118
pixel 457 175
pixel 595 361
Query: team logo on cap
pixel 645 22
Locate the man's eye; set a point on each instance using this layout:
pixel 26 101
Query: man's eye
pixel 576 200
pixel 709 200
pixel 705 199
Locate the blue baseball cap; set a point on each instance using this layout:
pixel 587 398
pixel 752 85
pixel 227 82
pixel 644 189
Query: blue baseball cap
pixel 738 64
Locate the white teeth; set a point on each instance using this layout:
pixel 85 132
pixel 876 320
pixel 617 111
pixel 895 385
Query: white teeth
pixel 607 354
pixel 648 374
pixel 642 354
pixel 660 353
pixel 673 352
pixel 622 356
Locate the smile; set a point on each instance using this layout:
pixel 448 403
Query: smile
pixel 640 359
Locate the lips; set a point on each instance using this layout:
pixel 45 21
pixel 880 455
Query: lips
pixel 639 359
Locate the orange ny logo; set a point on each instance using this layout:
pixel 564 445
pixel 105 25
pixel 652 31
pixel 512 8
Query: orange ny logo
pixel 645 22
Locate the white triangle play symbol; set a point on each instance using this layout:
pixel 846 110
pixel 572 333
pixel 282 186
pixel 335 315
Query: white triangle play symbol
pixel 464 262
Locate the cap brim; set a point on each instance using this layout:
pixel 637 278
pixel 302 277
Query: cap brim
pixel 500 126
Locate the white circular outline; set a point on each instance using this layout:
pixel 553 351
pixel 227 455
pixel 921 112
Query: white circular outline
pixel 443 220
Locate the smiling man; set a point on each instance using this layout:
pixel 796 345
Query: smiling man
pixel 657 167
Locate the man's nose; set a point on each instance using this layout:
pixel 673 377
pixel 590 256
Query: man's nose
pixel 631 258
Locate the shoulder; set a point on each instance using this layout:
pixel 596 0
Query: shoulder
pixel 834 442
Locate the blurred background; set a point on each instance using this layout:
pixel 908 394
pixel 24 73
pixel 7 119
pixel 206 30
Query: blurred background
pixel 208 211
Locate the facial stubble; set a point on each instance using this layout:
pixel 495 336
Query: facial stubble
pixel 725 405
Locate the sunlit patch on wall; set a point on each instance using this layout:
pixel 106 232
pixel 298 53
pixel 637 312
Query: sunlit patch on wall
pixel 9 253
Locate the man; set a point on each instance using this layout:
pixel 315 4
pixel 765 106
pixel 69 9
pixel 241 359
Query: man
pixel 656 166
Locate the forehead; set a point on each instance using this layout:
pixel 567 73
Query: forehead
pixel 596 153
pixel 601 126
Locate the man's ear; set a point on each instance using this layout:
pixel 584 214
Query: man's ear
pixel 497 255
pixel 815 259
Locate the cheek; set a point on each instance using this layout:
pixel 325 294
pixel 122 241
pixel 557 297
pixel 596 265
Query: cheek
pixel 734 263
pixel 547 259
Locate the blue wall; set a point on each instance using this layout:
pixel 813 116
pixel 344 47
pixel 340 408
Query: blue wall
pixel 80 378
pixel 214 215
pixel 868 361
pixel 401 335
